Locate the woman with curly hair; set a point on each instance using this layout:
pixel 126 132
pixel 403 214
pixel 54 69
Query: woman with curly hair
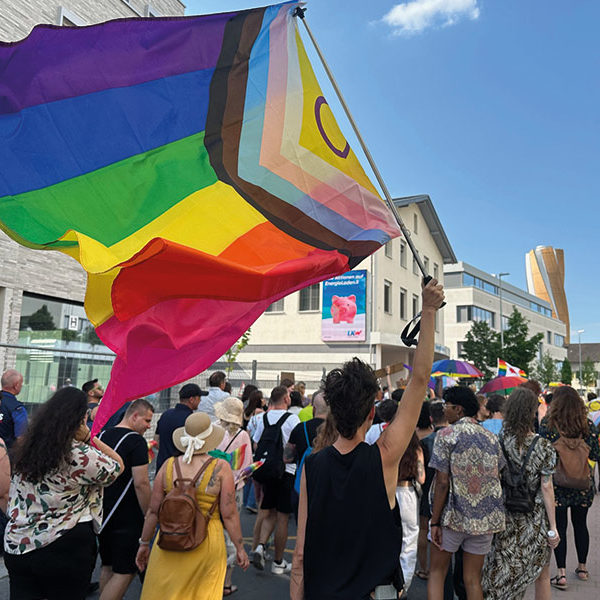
pixel 520 554
pixel 55 501
pixel 567 418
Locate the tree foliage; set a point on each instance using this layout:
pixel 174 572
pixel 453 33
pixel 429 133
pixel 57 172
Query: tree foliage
pixel 588 373
pixel 519 348
pixel 41 319
pixel 482 347
pixel 232 353
pixel 545 370
pixel 566 372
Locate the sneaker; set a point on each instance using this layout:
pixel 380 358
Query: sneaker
pixel 258 558
pixel 282 568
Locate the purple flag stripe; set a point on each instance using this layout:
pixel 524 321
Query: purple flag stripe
pixel 54 63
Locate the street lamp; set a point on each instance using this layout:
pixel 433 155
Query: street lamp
pixel 579 332
pixel 500 276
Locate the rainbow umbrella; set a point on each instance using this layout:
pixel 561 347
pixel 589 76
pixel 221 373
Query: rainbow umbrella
pixel 503 384
pixel 456 368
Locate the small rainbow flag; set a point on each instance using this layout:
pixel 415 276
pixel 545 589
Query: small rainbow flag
pixel 507 370
pixel 152 445
pixel 235 458
pixel 247 472
pixel 194 169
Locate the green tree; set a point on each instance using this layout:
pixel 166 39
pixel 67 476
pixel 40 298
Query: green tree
pixel 41 319
pixel 566 372
pixel 519 349
pixel 545 369
pixel 482 347
pixel 233 352
pixel 588 373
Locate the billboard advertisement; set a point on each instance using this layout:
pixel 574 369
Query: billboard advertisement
pixel 344 317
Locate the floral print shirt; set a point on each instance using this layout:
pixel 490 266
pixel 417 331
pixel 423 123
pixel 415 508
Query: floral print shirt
pixel 472 457
pixel 39 513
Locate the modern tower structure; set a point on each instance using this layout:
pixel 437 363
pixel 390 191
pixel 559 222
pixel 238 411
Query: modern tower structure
pixel 545 268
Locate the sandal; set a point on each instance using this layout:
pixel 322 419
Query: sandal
pixel 229 589
pixel 582 574
pixel 422 574
pixel 559 582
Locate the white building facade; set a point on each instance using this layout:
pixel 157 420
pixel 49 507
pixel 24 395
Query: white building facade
pixel 474 295
pixel 288 338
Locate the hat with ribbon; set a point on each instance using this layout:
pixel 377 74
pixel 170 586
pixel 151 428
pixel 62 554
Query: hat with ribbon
pixel 230 410
pixel 197 436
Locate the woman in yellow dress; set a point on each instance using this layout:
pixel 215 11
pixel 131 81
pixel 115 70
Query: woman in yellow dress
pixel 196 574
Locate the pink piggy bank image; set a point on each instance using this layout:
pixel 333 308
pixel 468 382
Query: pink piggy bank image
pixel 343 308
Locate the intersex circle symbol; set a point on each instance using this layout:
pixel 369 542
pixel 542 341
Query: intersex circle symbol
pixel 341 153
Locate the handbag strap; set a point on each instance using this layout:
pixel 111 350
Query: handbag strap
pixel 233 438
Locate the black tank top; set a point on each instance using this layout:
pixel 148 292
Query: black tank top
pixel 352 541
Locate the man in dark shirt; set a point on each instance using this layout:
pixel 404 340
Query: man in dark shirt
pixel 125 501
pixel 13 416
pixel 296 446
pixel 94 392
pixel 170 420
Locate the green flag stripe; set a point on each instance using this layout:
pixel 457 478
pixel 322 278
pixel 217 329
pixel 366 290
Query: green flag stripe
pixel 113 202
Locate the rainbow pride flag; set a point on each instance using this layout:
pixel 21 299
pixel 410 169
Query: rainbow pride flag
pixel 506 369
pixel 193 168
pixel 235 458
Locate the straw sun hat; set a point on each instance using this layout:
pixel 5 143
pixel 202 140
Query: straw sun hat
pixel 230 410
pixel 197 436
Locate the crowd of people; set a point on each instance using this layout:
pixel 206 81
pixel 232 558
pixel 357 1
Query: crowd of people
pixel 469 492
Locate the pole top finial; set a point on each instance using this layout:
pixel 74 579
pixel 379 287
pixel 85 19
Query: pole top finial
pixel 299 12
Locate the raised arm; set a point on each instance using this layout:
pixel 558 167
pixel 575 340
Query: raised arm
pixel 395 438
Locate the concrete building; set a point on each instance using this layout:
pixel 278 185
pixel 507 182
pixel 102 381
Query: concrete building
pixel 545 268
pixel 474 295
pixel 587 352
pixel 289 336
pixel 43 328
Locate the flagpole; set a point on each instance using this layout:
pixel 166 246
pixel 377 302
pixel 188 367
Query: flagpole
pixel 299 12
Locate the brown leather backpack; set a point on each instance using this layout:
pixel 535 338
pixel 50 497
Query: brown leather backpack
pixel 182 524
pixel 572 468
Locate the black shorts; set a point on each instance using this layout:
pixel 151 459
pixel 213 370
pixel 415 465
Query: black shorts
pixel 277 494
pixel 118 549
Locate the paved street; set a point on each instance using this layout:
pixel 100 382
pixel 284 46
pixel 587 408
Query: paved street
pixel 256 585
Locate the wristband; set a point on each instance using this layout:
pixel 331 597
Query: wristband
pixel 89 437
pixel 142 542
pixel 435 524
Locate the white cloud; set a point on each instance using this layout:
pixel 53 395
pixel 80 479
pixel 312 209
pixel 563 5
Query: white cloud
pixel 416 15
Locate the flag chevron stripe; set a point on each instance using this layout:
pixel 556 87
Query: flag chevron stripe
pixel 176 106
pixel 223 131
pixel 117 53
pixel 43 216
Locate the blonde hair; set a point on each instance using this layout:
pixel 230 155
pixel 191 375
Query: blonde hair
pixel 229 427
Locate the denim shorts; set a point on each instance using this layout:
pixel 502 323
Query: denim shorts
pixel 473 544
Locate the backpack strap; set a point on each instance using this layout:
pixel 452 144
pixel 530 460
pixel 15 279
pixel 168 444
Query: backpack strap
pixel 530 450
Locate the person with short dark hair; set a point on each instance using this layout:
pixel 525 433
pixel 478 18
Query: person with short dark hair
pixel 287 383
pixel 424 424
pixel 385 410
pixel 216 393
pixel 94 392
pixel 125 501
pixel 495 408
pixel 55 501
pixel 276 503
pixel 295 402
pixel 173 418
pixel 468 507
pixel 348 542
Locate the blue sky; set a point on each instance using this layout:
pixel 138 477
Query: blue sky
pixel 490 107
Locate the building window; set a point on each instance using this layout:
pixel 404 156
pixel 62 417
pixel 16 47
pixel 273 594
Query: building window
pixel 388 249
pixel 474 313
pixel 403 304
pixel 309 298
pixel 459 349
pixel 387 296
pixel 504 322
pixel 276 307
pixel 415 266
pixel 415 305
pixel 403 255
pixel 549 337
pixel 470 281
pixel 68 18
pixel 559 340
pixel 426 264
pixel 436 272
pixel 415 223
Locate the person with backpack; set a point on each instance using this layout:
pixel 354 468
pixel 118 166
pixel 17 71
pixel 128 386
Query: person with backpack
pixel 300 444
pixel 272 433
pixel 575 439
pixel 191 494
pixel 237 450
pixel 520 554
